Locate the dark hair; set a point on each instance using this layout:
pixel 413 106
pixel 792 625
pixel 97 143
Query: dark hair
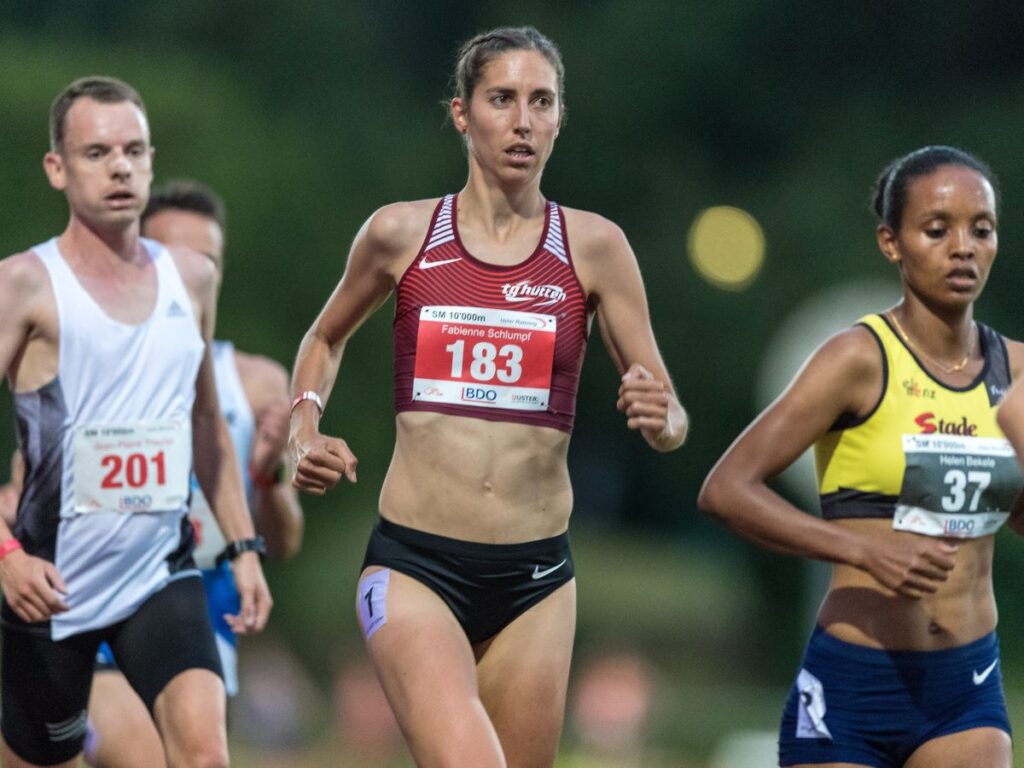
pixel 479 51
pixel 107 90
pixel 187 195
pixel 890 193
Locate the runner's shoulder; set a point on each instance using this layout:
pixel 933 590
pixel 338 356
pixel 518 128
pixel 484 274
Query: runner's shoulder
pixel 261 373
pixel 396 227
pixel 197 270
pixel 591 234
pixel 1015 354
pixel 23 276
pixel 852 352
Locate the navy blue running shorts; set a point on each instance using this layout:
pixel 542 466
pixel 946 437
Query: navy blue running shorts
pixel 853 704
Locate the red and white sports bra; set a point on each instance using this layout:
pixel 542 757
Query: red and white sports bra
pixel 503 343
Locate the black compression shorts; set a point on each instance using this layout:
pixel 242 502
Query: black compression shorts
pixel 45 683
pixel 486 586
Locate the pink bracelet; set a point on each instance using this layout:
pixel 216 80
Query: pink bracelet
pixel 9 546
pixel 309 394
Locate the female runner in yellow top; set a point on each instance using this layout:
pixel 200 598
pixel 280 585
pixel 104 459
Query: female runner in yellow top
pixel 915 478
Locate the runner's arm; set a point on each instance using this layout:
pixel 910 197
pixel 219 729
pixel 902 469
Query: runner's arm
pixel 1011 420
pixel 381 250
pixel 32 586
pixel 214 458
pixel 612 279
pixel 10 492
pixel 843 377
pixel 276 511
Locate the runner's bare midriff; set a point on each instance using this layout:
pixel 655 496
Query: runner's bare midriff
pixel 860 610
pixel 476 480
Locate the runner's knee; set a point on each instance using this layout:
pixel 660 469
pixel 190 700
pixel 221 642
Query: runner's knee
pixel 212 757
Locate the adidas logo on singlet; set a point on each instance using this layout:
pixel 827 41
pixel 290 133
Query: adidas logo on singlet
pixel 175 310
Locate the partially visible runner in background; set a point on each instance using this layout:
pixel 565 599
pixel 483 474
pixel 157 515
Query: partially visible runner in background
pixel 253 395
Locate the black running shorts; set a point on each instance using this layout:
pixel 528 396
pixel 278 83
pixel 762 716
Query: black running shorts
pixel 486 586
pixel 45 683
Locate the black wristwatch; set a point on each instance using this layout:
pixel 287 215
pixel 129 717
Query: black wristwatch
pixel 235 548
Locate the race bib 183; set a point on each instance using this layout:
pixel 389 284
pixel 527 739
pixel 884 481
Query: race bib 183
pixel 490 358
pixel 137 467
pixel 956 486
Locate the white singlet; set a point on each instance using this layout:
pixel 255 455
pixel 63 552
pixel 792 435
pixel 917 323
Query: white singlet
pixel 108 449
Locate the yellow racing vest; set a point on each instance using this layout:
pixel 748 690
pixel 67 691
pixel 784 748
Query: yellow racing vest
pixel 930 456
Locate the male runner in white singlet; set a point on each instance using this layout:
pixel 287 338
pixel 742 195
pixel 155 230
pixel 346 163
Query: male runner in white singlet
pixel 103 336
pixel 253 394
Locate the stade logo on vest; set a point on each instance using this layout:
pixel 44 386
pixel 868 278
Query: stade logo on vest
pixel 928 425
pixel 523 291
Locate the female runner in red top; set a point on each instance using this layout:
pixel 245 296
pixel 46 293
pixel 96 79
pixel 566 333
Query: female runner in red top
pixel 467 598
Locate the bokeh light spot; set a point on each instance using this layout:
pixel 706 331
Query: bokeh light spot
pixel 726 247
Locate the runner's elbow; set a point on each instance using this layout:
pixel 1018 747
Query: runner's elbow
pixel 289 548
pixel 712 499
pixel 286 544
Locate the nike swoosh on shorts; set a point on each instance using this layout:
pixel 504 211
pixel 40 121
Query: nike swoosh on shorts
pixel 981 677
pixel 539 574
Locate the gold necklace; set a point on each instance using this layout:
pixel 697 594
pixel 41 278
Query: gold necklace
pixel 945 367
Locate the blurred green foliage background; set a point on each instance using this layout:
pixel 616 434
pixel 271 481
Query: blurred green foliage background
pixel 307 116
